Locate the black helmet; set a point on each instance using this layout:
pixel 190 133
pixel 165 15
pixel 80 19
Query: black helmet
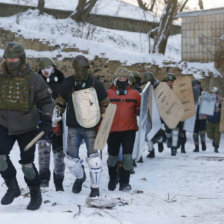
pixel 15 50
pixel 80 61
pixel 170 77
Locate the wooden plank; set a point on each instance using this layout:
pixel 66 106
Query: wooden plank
pixel 150 101
pixel 170 108
pixel 105 126
pixel 221 125
pixel 182 87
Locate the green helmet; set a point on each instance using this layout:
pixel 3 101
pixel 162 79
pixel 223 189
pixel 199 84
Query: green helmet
pixel 122 72
pixel 214 89
pixel 148 76
pixel 136 74
pixel 132 78
pixel 14 50
pixel 170 77
pixel 45 62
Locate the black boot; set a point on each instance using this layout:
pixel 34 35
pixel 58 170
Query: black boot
pixel 124 180
pixel 77 186
pixel 45 178
pixel 140 160
pixel 35 198
pixel 183 149
pixel 173 151
pixel 151 154
pixel 196 148
pixel 125 187
pixel 216 150
pixel 12 192
pixel 94 192
pixel 113 178
pixel 58 180
pixel 160 147
pixel 203 146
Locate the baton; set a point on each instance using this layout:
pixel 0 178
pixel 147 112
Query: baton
pixel 33 141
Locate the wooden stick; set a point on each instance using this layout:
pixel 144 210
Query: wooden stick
pixel 33 141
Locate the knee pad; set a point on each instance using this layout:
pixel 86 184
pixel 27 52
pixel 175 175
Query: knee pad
pixel 29 171
pixel 175 134
pixel 195 137
pixel 128 162
pixel 112 161
pixel 75 166
pixel 95 166
pixel 202 135
pixel 3 163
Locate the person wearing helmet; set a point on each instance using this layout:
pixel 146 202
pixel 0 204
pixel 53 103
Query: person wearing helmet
pixel 200 121
pixel 24 92
pixel 123 128
pixel 85 100
pixel 137 82
pixel 175 137
pixel 214 121
pixel 54 78
pixel 158 138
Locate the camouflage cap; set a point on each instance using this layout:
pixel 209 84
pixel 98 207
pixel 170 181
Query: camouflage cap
pixel 136 74
pixel 170 77
pixel 14 50
pixel 122 72
pixel 45 62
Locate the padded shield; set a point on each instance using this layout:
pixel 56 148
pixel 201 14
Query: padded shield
pixel 86 106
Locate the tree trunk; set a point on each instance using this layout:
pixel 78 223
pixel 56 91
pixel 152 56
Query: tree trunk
pixel 200 3
pixel 83 10
pixel 165 25
pixel 183 6
pixel 142 5
pixel 152 5
pixel 40 6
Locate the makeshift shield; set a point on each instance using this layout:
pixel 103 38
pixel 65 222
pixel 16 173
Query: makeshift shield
pixel 86 106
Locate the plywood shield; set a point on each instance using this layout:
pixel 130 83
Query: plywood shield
pixel 105 126
pixel 170 108
pixel 182 87
pixel 86 106
pixel 221 126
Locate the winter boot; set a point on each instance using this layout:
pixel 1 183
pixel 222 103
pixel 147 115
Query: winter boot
pixel 94 192
pixel 113 178
pixel 216 150
pixel 173 151
pixel 140 160
pixel 134 163
pixel 35 198
pixel 77 186
pixel 125 187
pixel 160 147
pixel 203 146
pixel 196 148
pixel 151 154
pixel 183 149
pixel 58 182
pixel 12 192
pixel 45 178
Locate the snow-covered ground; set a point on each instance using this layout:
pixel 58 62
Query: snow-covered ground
pixel 186 189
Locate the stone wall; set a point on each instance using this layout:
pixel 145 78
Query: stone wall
pixel 118 23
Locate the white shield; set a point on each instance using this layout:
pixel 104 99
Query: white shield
pixel 86 106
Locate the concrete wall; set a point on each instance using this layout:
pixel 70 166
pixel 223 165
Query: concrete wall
pixel 118 23
pixel 200 35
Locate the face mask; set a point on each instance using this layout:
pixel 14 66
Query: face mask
pixel 13 66
pixel 122 84
pixel 47 71
pixel 81 74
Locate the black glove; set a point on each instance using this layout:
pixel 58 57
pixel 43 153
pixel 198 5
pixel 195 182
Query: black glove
pixel 45 125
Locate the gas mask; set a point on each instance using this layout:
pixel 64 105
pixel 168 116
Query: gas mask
pixel 47 71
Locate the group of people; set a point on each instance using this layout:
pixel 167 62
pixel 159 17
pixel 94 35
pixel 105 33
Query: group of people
pixel 33 102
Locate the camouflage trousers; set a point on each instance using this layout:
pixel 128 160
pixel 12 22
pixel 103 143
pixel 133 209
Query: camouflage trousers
pixel 213 133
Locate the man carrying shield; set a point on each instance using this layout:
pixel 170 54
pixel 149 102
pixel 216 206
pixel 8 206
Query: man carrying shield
pixel 85 99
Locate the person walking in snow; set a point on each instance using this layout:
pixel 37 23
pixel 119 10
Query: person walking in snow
pixel 23 93
pixel 175 137
pixel 214 121
pixel 123 128
pixel 201 120
pixel 85 99
pixel 54 78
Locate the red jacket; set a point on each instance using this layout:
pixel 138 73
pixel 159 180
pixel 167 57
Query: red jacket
pixel 127 105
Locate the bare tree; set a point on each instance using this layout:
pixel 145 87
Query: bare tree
pixel 161 37
pixel 200 4
pixel 182 5
pixel 40 6
pixel 83 10
pixel 152 5
pixel 142 5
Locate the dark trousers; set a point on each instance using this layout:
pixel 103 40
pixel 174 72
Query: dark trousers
pixel 125 139
pixel 6 145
